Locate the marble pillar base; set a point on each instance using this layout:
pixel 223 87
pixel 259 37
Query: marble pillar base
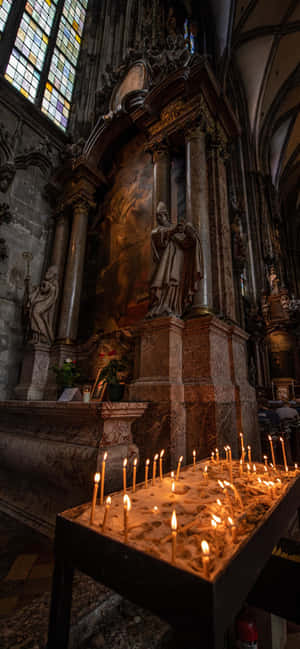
pixel 194 373
pixel 49 452
pixel 34 372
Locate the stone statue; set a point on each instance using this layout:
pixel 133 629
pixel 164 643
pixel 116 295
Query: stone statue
pixel 41 307
pixel 178 258
pixel 274 281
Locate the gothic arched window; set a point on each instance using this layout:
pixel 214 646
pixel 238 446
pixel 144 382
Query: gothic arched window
pixel 42 56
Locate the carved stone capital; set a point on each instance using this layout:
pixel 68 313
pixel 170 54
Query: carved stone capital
pixel 160 151
pixel 81 205
pixel 218 142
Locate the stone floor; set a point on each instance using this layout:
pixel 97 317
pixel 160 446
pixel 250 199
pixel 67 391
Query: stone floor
pixel 100 618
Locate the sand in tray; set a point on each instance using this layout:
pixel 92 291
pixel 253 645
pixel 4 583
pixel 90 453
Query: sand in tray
pixel 197 500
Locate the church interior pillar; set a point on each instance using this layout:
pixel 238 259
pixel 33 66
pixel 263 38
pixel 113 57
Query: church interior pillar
pixel 197 211
pixel 161 176
pixel 60 243
pixel 69 314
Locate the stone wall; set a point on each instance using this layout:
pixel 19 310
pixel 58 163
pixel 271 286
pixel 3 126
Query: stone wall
pixel 29 146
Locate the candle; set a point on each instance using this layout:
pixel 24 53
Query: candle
pixel 103 477
pixel 217 455
pixel 154 468
pixel 124 474
pixel 212 457
pixel 127 508
pixel 173 482
pixel 146 473
pixel 160 464
pixel 232 529
pixel 205 558
pixel 254 468
pixel 230 471
pixel 174 534
pixel 241 467
pixel 179 466
pixel 96 485
pixel 226 453
pixel 266 460
pixel 194 460
pixel 155 509
pixel 272 450
pixel 296 468
pixel 107 506
pixel 205 472
pixel 249 454
pixel 284 454
pixel 242 442
pixel 248 471
pixel 134 474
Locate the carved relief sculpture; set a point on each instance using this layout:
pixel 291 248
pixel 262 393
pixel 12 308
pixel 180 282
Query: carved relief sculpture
pixel 178 258
pixel 41 307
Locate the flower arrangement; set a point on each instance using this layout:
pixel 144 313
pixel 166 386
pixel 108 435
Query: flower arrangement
pixel 109 373
pixel 67 374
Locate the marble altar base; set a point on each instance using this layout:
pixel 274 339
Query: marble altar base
pixel 195 375
pixel 34 372
pixel 49 452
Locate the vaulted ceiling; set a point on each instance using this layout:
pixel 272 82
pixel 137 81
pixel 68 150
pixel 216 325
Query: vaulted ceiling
pixel 262 39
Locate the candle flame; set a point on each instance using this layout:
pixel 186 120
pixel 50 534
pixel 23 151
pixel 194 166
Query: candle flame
pixel 265 469
pixel 254 468
pixel 174 521
pixel 259 480
pixel 241 461
pixel 281 439
pixel 105 456
pixel 296 466
pixel 127 502
pixel 217 450
pixel 108 501
pixel 155 457
pixel 97 477
pixel 213 524
pixel 147 462
pixel 135 461
pixel 248 467
pixel 219 502
pixel 217 519
pixel 125 462
pixel 230 521
pixel 249 447
pixel 205 469
pixel 173 486
pixel 172 474
pixel 162 452
pixel 265 457
pixel 205 548
pixel 194 453
pixel 269 438
pixel 155 508
pixel 221 484
pixel 226 483
pixel 180 459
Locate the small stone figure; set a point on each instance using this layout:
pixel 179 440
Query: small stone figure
pixel 41 307
pixel 178 258
pixel 274 281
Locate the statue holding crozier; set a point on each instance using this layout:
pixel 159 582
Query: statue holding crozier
pixel 178 270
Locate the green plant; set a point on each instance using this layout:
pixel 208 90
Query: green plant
pixel 109 373
pixel 67 374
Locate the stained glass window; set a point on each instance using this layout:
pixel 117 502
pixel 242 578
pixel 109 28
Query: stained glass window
pixel 43 76
pixel 61 77
pixel 5 6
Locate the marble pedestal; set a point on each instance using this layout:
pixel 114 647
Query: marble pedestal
pixel 194 373
pixel 34 372
pixel 49 452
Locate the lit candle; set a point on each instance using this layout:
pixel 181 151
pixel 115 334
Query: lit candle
pixel 242 442
pixel 155 509
pixel 232 529
pixel 248 470
pixel 154 468
pixel 217 455
pixel 179 467
pixel 173 482
pixel 254 468
pixel 96 485
pixel 134 474
pixel 296 468
pixel 272 450
pixel 174 534
pixel 194 460
pixel 205 558
pixel 212 457
pixel 284 454
pixel 266 460
pixel 107 506
pixel 127 508
pixel 226 453
pixel 249 455
pixel 102 479
pixel 161 464
pixel 205 472
pixel 146 473
pixel 241 467
pixel 124 474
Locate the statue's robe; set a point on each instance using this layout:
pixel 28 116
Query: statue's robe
pixel 178 271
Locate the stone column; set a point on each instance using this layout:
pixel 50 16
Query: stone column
pixel 59 249
pixel 161 177
pixel 197 211
pixel 68 323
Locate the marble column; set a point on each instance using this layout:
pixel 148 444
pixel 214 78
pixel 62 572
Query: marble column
pixel 69 313
pixel 161 177
pixel 59 249
pixel 197 211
